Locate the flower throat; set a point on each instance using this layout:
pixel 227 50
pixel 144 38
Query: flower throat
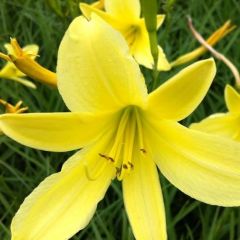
pixel 127 139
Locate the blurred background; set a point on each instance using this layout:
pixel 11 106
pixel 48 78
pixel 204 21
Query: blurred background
pixel 21 169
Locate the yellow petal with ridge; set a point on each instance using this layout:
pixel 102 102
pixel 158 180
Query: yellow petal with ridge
pixel 95 70
pixel 180 95
pixel 54 131
pixel 204 166
pixel 65 202
pixel 143 200
pixel 127 11
pixel 232 98
pixel 225 124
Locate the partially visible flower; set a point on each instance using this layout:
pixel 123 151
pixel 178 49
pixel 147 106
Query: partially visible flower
pixel 215 53
pixel 220 33
pixel 9 108
pixel 225 124
pixel 11 72
pixel 13 108
pixel 124 16
pixel 124 132
pixel 22 61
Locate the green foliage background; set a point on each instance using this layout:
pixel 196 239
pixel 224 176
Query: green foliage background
pixel 22 169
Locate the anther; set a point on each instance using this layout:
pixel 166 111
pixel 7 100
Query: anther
pixel 118 171
pixel 125 166
pixel 143 150
pixel 111 159
pixel 131 165
pixel 102 155
pixel 106 157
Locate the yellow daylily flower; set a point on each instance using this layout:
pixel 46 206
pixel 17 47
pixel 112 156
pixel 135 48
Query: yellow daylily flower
pixel 124 132
pixel 225 124
pixel 215 37
pixel 124 16
pixel 13 108
pixel 11 72
pixel 22 60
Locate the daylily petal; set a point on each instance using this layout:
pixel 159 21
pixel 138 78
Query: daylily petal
pixel 139 39
pixel 180 95
pixel 204 166
pixel 53 131
pixel 87 11
pixel 9 71
pixel 143 201
pixel 126 10
pixel 28 49
pixel 223 124
pixel 123 27
pixel 31 50
pixel 9 48
pixel 142 52
pixel 232 98
pixel 65 202
pixel 98 4
pixel 160 20
pixel 95 70
pixel 24 82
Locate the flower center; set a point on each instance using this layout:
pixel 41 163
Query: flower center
pixel 130 34
pixel 127 139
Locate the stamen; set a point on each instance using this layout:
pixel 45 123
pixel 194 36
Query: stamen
pixel 124 143
pixel 131 165
pixel 143 150
pixel 106 157
pixel 98 172
pixel 102 155
pixel 128 147
pixel 140 132
pixel 111 159
pixel 118 171
pixel 90 178
pixel 125 166
pixel 117 146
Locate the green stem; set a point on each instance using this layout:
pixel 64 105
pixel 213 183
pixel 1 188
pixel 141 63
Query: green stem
pixel 149 9
pixel 155 77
